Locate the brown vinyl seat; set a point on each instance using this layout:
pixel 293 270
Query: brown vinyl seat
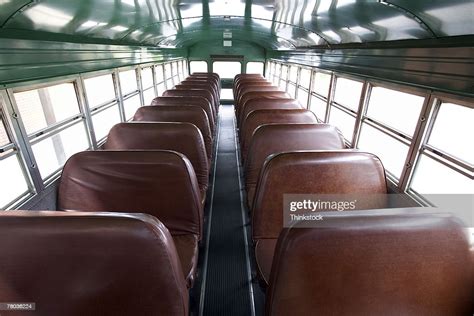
pixel 309 172
pixel 192 93
pixel 271 116
pixel 181 137
pixel 260 94
pixel 264 103
pixel 238 86
pixel 253 88
pixel 160 183
pixel 85 263
pixel 198 86
pixel 176 113
pixel 275 138
pixel 207 82
pixel 373 263
pixel 199 101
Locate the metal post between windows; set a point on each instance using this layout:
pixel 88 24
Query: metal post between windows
pixel 85 109
pixel 118 95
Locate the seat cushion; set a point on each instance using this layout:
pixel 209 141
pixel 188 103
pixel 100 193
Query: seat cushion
pixel 187 249
pixel 264 251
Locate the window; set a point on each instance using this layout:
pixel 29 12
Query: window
pixel 128 82
pixel 445 181
pixel 344 121
pixel 104 120
pixel 321 83
pixel 14 185
pixel 397 109
pixel 254 67
pixel 99 90
pixel 227 69
pixel 198 66
pixel 147 78
pixel 318 106
pixel 227 94
pixel 391 151
pixel 51 153
pixel 292 90
pixel 161 88
pixel 44 107
pixel 147 83
pixel 305 77
pixel 303 97
pixel 101 103
pixel 444 131
pixel 293 73
pixel 344 109
pixel 55 107
pixel 131 105
pixel 159 75
pixel 348 93
pixel 447 153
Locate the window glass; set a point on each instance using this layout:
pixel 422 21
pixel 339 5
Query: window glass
pixel 168 73
pixel 292 90
pixel 277 70
pixel 159 73
pixel 282 85
pixel 392 152
pixel 284 72
pixel 303 97
pixel 4 139
pixel 226 69
pixel 305 76
pixel 293 73
pixel 14 184
pixel 131 105
pixel 348 93
pixel 99 90
pixel 454 122
pixel 104 120
pixel 128 81
pixel 198 66
pixel 43 107
pixel 343 121
pixel 396 109
pixel 161 88
pixel 432 177
pixel 174 69
pixel 149 95
pixel 227 94
pixel 318 107
pixel 321 83
pixel 147 78
pixel 169 83
pixel 52 152
pixel 254 67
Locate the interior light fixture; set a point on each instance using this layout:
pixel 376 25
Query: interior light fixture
pixel 227 43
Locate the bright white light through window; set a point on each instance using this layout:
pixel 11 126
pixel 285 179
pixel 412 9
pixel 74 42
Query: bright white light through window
pixel 348 93
pixel 16 185
pixel 128 81
pixel 254 67
pixel 343 121
pixel 226 69
pixel 198 66
pixel 394 108
pixel 104 121
pixel 321 83
pixel 147 78
pixel 99 90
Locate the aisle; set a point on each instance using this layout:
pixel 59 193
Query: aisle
pixel 226 288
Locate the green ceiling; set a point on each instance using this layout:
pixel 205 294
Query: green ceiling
pixel 274 25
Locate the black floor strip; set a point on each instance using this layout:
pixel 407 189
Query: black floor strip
pixel 226 289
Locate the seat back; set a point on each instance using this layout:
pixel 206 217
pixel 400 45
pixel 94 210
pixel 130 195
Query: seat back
pixel 75 263
pixel 276 138
pixel 398 264
pixel 262 117
pixel 192 93
pixel 264 103
pixel 197 86
pixel 176 113
pixel 261 94
pixel 160 183
pixel 312 172
pixel 199 101
pixel 208 83
pixel 252 88
pixel 184 138
pixel 248 82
